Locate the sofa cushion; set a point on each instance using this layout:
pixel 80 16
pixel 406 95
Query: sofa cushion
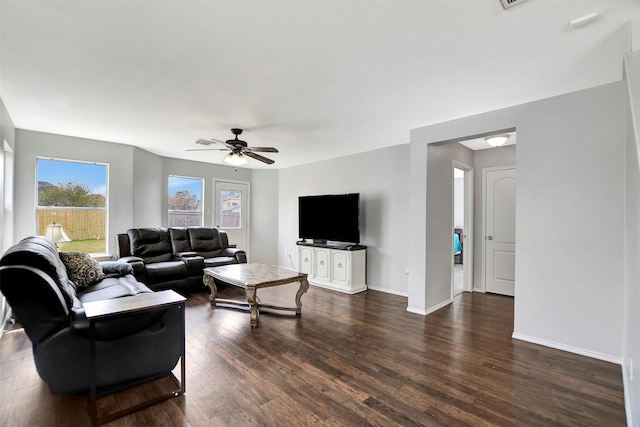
pixel 205 241
pixel 179 240
pixel 81 268
pixel 218 261
pixel 150 244
pixel 165 272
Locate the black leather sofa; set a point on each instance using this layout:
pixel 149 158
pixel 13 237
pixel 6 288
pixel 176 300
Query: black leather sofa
pixel 175 257
pixel 49 306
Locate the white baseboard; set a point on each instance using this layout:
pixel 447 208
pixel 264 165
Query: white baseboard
pixel 350 291
pixel 417 310
pixel 626 383
pixel 568 348
pixel 429 310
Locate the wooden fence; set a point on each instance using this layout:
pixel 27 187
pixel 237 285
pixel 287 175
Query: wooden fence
pixel 78 224
pixel 184 219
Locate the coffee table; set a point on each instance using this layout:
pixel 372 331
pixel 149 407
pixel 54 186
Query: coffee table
pixel 252 277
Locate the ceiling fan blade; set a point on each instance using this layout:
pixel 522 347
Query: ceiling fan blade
pixel 207 149
pixel 258 157
pixel 263 149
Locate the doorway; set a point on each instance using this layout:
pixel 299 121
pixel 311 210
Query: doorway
pixel 462 224
pixel 232 212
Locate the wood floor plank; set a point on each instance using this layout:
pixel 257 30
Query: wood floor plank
pixel 349 360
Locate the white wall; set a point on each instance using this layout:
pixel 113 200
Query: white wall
pixel 570 213
pixel 439 217
pixel 382 179
pixel 631 339
pixel 569 217
pixel 7 136
pixel 149 188
pixel 264 217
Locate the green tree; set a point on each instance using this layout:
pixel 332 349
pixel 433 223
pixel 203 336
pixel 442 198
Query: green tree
pixel 183 200
pixel 70 193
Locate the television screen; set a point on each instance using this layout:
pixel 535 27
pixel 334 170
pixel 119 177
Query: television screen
pixel 329 217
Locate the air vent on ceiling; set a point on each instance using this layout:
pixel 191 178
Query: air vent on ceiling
pixel 508 3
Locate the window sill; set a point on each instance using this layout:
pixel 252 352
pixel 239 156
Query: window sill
pixel 102 257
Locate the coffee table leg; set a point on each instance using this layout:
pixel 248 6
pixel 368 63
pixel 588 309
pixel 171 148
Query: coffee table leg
pixel 304 286
pixel 208 281
pixel 253 306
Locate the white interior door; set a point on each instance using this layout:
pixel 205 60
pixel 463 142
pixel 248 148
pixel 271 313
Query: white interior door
pixel 232 212
pixel 500 230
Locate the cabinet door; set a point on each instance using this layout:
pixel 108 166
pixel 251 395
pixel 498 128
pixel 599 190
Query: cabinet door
pixel 322 264
pixel 340 266
pixel 305 258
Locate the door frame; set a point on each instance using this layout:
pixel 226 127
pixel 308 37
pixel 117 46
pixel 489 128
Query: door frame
pixel 484 219
pixel 467 264
pixel 247 217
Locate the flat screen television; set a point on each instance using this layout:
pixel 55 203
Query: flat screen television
pixel 331 217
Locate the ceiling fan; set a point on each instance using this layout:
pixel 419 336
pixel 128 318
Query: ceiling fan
pixel 238 148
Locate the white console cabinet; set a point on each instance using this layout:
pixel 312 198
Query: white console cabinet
pixel 337 269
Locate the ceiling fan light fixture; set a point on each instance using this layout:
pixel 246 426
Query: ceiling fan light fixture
pixel 235 159
pixel 497 140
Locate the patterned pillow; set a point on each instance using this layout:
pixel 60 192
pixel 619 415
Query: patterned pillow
pixel 81 268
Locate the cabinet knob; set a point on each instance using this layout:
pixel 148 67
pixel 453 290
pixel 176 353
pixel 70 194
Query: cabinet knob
pixel 321 262
pixel 306 260
pixel 339 265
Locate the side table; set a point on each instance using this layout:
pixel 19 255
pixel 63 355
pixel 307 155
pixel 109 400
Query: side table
pixel 113 308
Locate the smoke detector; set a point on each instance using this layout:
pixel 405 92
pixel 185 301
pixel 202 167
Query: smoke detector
pixel 508 3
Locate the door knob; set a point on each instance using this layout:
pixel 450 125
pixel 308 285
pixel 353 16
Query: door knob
pixel 489 237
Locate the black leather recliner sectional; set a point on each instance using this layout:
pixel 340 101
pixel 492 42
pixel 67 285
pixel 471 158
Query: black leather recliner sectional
pixel 174 258
pixel 50 307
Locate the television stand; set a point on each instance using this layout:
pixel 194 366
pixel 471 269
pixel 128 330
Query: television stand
pixel 337 266
pixel 331 245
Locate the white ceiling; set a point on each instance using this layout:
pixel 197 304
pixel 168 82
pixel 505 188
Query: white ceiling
pixel 316 79
pixel 481 144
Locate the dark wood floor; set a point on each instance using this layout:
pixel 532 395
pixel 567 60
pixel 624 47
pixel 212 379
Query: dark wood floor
pixel 348 361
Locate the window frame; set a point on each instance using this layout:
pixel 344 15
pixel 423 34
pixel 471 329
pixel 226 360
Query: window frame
pixel 202 195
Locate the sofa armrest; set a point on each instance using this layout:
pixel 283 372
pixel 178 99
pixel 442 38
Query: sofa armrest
pixel 137 264
pixel 186 254
pixel 239 254
pixel 79 323
pixel 116 268
pixel 195 265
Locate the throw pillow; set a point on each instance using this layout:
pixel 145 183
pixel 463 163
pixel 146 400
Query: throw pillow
pixel 81 268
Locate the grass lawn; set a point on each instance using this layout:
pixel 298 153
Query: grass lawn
pixel 93 246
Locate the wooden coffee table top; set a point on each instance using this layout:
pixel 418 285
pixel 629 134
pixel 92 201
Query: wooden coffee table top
pixel 254 275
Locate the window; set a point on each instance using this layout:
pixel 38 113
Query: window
pixel 230 209
pixel 72 204
pixel 185 201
